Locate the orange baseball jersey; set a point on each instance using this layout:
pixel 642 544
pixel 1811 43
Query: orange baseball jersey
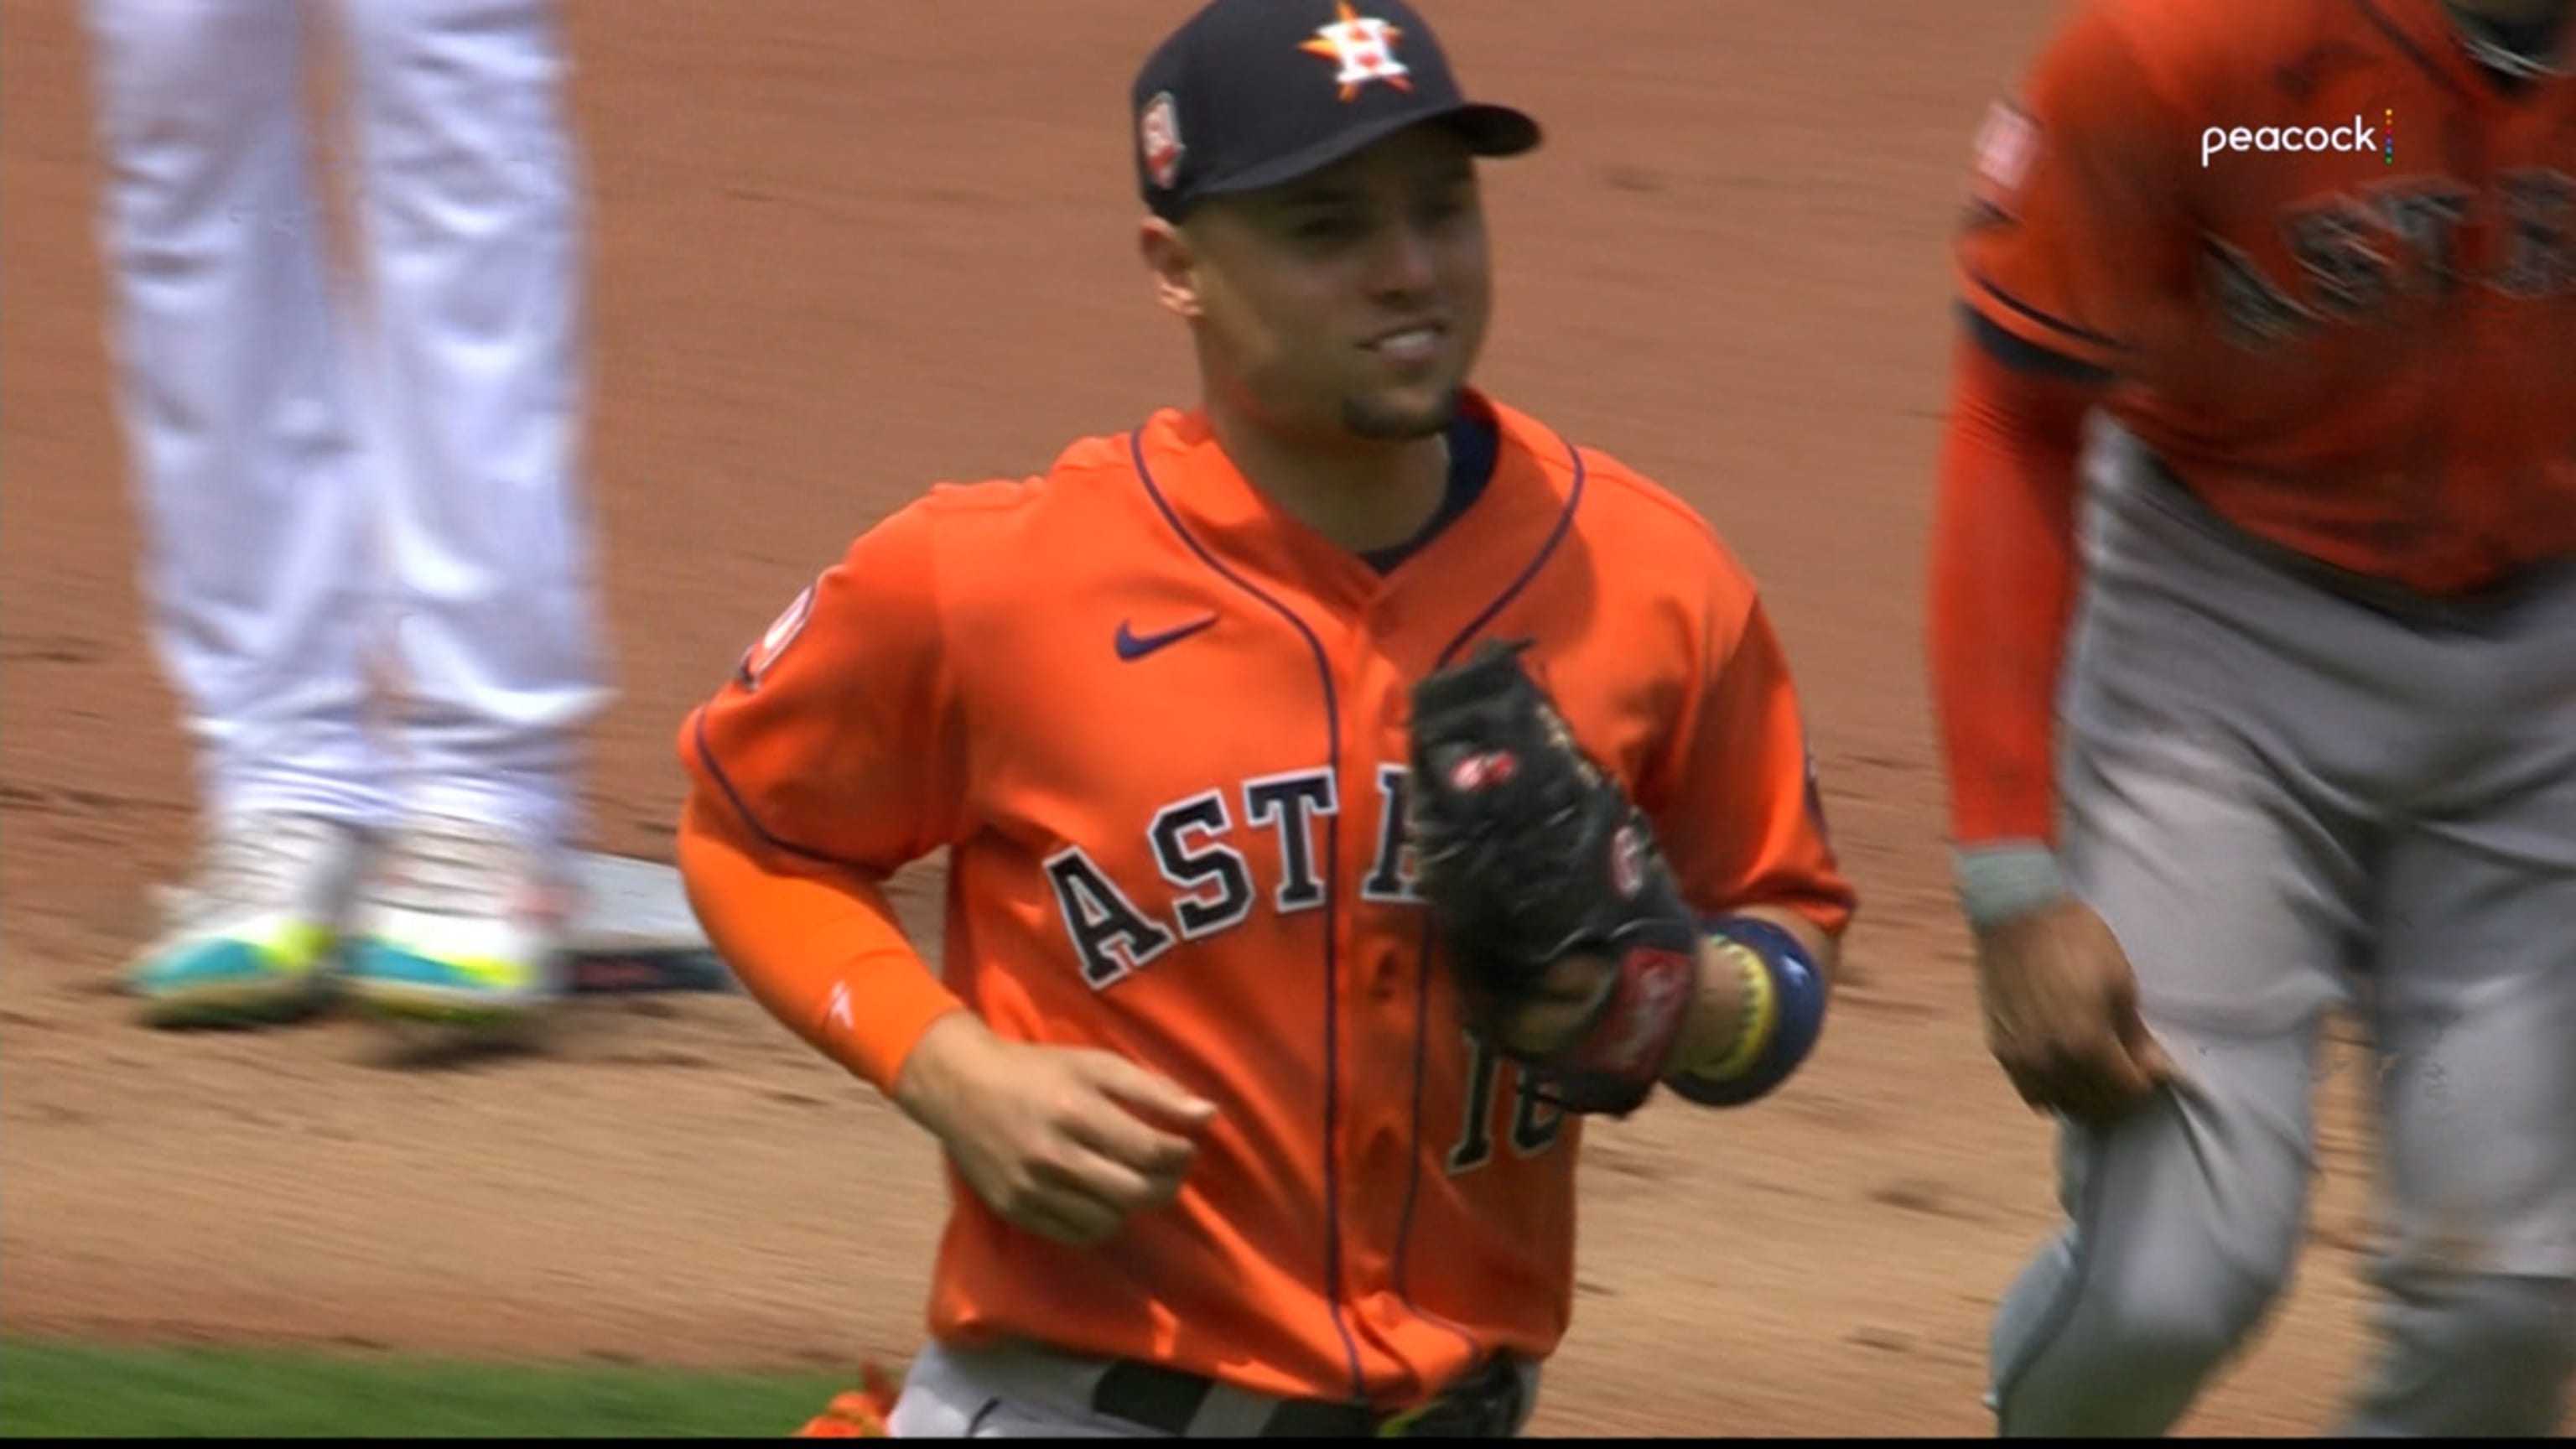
pixel 2330 258
pixel 1161 729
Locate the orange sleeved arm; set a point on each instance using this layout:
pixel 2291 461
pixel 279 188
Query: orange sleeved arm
pixel 2073 260
pixel 1744 823
pixel 826 957
pixel 2003 579
pixel 832 758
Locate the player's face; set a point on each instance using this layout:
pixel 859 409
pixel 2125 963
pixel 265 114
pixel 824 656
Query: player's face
pixel 1351 300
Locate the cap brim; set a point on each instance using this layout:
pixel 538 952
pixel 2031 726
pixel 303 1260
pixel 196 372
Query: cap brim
pixel 1493 130
pixel 1488 129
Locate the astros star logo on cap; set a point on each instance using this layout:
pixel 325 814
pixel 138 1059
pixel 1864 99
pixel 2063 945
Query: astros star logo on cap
pixel 1365 47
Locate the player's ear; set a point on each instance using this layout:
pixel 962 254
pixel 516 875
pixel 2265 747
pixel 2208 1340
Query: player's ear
pixel 1173 264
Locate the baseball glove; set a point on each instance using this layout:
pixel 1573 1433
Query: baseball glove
pixel 1528 852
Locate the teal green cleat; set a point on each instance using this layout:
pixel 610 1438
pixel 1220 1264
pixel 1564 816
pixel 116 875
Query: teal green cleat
pixel 270 970
pixel 462 924
pixel 398 980
pixel 253 939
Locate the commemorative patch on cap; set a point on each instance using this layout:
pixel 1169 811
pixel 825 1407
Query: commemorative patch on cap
pixel 1158 139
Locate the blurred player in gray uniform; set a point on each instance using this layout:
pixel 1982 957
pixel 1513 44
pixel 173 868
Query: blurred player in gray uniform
pixel 2310 268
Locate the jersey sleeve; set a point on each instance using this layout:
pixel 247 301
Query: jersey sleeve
pixel 1741 818
pixel 2071 237
pixel 2001 589
pixel 836 742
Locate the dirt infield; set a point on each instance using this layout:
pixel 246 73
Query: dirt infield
pixel 843 250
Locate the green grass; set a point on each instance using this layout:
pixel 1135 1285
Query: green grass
pixel 53 1389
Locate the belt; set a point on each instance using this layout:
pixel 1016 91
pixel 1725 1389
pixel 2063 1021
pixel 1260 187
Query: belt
pixel 1486 1404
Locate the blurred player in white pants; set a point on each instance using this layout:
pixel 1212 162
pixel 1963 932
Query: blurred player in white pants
pixel 336 482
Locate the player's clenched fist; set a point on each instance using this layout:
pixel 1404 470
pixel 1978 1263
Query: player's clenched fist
pixel 2062 1013
pixel 1061 1142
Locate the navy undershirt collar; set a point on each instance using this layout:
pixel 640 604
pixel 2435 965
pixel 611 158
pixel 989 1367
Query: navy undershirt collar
pixel 1474 445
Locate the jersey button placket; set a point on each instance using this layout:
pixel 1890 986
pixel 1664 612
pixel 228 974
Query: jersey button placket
pixel 1349 1059
pixel 1386 938
pixel 1385 869
pixel 1347 1062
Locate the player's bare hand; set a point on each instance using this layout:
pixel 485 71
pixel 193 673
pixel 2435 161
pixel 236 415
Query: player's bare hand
pixel 1567 999
pixel 1062 1142
pixel 2062 1016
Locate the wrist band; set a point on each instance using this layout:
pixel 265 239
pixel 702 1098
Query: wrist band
pixel 1755 1018
pixel 1784 1015
pixel 2006 879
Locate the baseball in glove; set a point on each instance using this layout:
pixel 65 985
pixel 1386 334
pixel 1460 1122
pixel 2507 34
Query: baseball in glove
pixel 1529 853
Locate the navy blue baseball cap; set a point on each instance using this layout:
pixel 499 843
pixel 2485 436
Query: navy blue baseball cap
pixel 1250 93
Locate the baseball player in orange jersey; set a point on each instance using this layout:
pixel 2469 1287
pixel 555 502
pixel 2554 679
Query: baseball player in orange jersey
pixel 1224 1157
pixel 2311 267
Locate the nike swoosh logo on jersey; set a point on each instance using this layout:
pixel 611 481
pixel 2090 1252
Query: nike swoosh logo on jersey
pixel 1132 646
